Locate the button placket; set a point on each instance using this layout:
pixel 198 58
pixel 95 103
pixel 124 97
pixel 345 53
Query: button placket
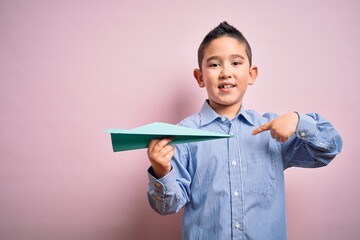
pixel 233 163
pixel 236 193
pixel 235 182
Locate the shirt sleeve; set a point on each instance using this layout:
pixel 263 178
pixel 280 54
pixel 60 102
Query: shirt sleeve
pixel 314 144
pixel 170 193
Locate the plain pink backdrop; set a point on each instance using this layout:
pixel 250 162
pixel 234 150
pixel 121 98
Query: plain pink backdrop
pixel 70 69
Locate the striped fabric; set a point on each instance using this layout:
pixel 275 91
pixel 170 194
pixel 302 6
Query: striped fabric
pixel 234 188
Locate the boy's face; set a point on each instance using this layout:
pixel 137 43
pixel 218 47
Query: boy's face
pixel 225 73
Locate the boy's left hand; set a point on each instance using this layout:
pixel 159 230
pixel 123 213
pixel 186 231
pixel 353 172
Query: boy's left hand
pixel 280 128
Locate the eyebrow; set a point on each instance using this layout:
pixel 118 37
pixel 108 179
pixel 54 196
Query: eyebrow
pixel 232 56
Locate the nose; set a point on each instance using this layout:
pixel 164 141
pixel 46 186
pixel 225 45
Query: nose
pixel 225 73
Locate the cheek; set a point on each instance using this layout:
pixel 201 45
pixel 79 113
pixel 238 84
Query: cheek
pixel 243 73
pixel 243 77
pixel 211 71
pixel 211 76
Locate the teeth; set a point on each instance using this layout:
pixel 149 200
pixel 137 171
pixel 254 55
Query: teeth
pixel 226 86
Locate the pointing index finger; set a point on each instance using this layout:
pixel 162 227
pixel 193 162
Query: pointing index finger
pixel 262 128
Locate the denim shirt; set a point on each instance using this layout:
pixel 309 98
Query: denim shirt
pixel 234 188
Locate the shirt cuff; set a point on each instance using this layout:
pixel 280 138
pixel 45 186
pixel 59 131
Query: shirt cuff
pixel 306 127
pixel 163 184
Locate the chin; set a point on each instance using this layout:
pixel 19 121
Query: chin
pixel 227 103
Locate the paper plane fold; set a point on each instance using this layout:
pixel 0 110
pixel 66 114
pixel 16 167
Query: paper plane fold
pixel 136 138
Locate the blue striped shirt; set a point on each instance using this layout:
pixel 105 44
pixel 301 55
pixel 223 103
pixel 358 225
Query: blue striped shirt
pixel 234 188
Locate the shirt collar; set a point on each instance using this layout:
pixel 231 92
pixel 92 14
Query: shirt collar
pixel 208 115
pixel 246 115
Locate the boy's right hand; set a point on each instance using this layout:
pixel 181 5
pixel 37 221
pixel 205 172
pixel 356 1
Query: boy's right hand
pixel 160 153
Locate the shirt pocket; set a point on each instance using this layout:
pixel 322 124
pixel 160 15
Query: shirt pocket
pixel 261 172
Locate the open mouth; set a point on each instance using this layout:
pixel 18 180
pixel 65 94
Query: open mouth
pixel 226 86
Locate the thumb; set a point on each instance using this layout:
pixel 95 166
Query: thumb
pixel 262 128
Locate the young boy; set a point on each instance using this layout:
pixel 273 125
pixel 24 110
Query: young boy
pixel 234 188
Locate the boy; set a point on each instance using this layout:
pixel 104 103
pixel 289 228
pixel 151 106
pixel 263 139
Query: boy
pixel 234 188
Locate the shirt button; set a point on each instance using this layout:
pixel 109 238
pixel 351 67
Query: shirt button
pixel 236 194
pixel 233 163
pixel 237 225
pixel 223 119
pixel 302 134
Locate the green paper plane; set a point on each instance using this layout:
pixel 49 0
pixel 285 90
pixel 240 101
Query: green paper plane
pixel 137 138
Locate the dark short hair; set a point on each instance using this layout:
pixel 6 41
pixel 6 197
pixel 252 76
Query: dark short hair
pixel 223 30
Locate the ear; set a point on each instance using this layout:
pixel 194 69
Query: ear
pixel 253 74
pixel 199 77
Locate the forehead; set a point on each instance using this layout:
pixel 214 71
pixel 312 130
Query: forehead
pixel 224 47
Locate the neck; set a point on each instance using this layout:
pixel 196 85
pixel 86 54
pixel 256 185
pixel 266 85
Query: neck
pixel 229 111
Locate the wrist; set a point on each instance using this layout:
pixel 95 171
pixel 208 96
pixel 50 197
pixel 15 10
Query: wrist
pixel 161 171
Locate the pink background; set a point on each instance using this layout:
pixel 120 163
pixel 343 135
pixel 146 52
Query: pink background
pixel 70 69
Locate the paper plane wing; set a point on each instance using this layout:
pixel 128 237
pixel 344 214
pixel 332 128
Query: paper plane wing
pixel 129 139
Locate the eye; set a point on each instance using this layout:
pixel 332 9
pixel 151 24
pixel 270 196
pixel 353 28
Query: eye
pixel 214 65
pixel 236 63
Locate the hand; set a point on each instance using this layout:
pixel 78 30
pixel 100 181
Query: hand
pixel 280 128
pixel 160 154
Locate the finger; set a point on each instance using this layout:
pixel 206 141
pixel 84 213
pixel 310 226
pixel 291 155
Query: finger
pixel 262 128
pixel 169 155
pixel 280 138
pixel 162 143
pixel 165 150
pixel 273 135
pixel 152 143
pixel 283 139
